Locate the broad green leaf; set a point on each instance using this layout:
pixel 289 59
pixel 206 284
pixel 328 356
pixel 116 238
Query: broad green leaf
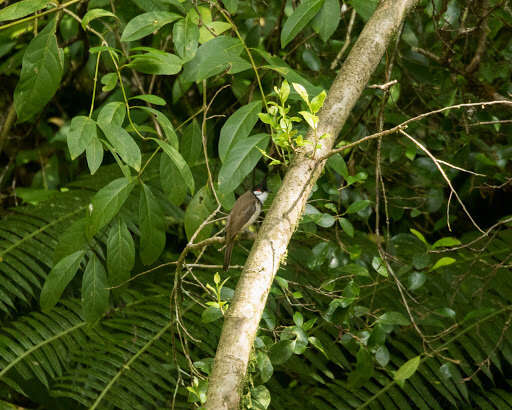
pixel 94 154
pixel 318 344
pixel 58 278
pixel 444 261
pixel 407 369
pixel 354 269
pixel 107 202
pixel 261 397
pixel 238 126
pixel 232 6
pixel 185 36
pixel 156 62
pixel 298 319
pixel 180 163
pixel 393 318
pixel 171 181
pixel 363 371
pixel 240 161
pixel 264 366
pixel 287 72
pixel 214 57
pixel 301 16
pixel 120 253
pixel 41 72
pixel 419 235
pixel 211 314
pixel 199 208
pixel 358 206
pixel 448 241
pixel 281 351
pixel 379 266
pixel 123 144
pixel 72 240
pixel 347 226
pixel 416 280
pixel 301 90
pixel 191 144
pixel 21 9
pixel 95 292
pixel 82 132
pixel 326 21
pixel 166 125
pixel 147 23
pixel 152 227
pixel 109 82
pixel 318 101
pixel 112 113
pixel 150 98
pixel 338 164
pixel 207 31
pixel 364 8
pixel 382 356
pixel 95 14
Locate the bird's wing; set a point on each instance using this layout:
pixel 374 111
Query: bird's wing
pixel 243 215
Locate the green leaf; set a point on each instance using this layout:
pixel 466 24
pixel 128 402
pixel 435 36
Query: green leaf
pixel 240 161
pixel 112 113
pixel 318 101
pixel 354 269
pixel 41 72
pixel 82 132
pixel 147 23
pixel 363 371
pixel 448 241
pixel 156 62
pixel 318 344
pixel 326 21
pixel 94 14
pixel 94 154
pixel 301 16
pixel 393 318
pixel 21 9
pixel 416 280
pixel 120 253
pixel 407 369
pixel 444 261
pixel 211 314
pixel 261 397
pixel 419 235
pixel 382 356
pixel 107 202
pixel 152 227
pixel 95 292
pixel 347 226
pixel 364 8
pixel 180 163
pixel 338 164
pixel 301 90
pixel 379 266
pixel 58 278
pixel 191 143
pixel 171 181
pixel 109 82
pixel 358 206
pixel 123 144
pixel 166 125
pixel 281 351
pixel 150 98
pixel 72 240
pixel 199 208
pixel 238 126
pixel 264 366
pixel 232 7
pixel 213 58
pixel 185 35
pixel 298 319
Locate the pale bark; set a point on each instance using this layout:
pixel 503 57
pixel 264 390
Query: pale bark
pixel 269 250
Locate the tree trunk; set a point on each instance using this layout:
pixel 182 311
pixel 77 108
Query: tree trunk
pixel 242 319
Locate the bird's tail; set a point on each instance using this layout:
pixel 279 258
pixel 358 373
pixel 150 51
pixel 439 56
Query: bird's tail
pixel 227 256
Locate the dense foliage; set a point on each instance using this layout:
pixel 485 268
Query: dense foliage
pixel 129 127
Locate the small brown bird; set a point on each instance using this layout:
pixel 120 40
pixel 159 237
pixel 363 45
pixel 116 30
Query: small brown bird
pixel 246 210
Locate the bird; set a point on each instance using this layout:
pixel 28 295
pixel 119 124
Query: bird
pixel 245 211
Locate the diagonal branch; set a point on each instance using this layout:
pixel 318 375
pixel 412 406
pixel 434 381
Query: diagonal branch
pixel 242 319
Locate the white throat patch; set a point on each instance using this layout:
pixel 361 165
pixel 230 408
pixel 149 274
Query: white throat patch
pixel 261 195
